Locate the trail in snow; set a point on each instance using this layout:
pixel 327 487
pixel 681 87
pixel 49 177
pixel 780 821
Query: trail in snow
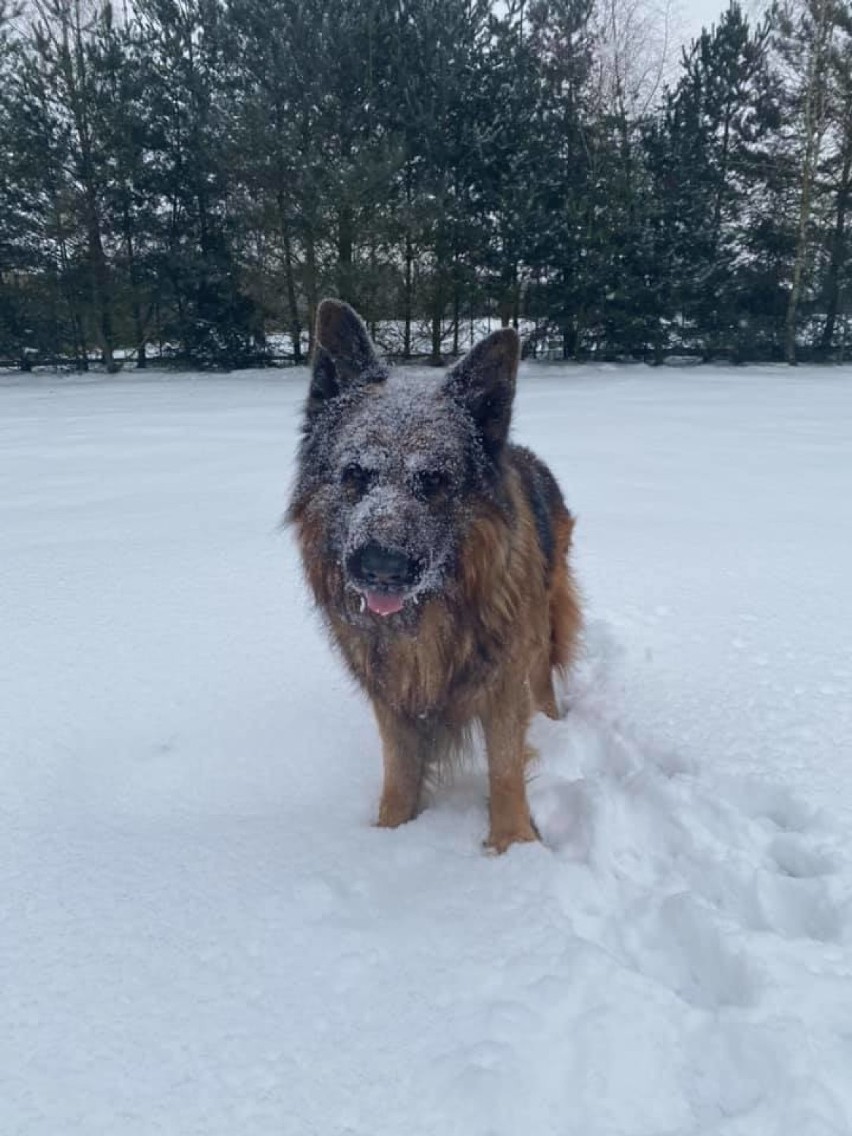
pixel 201 933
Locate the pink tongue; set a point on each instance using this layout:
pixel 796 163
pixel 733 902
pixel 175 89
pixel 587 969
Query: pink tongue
pixel 382 604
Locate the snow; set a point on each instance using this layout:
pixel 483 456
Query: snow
pixel 200 933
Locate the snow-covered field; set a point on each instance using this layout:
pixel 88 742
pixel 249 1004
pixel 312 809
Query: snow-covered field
pixel 201 933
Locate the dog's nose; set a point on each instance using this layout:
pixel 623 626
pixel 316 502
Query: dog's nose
pixel 383 567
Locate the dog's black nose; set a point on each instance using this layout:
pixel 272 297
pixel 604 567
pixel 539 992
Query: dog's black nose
pixel 379 567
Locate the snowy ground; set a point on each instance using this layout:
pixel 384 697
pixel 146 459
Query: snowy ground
pixel 200 933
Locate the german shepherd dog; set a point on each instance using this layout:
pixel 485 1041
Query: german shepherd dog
pixel 437 554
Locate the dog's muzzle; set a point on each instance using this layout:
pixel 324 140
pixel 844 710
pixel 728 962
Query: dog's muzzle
pixel 383 576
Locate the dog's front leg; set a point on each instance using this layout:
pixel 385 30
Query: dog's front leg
pixel 505 725
pixel 404 755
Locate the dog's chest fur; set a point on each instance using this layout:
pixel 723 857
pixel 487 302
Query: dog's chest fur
pixel 467 636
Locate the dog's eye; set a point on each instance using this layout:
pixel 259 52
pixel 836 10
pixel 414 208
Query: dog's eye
pixel 429 483
pixel 355 478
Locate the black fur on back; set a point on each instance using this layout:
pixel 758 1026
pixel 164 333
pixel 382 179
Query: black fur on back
pixel 544 496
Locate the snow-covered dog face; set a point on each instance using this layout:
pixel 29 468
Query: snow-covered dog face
pixel 390 461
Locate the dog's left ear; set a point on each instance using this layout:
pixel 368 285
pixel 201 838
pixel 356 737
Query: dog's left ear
pixel 344 354
pixel 484 383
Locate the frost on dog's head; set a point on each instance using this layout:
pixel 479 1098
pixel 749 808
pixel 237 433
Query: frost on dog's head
pixel 393 466
pixel 482 383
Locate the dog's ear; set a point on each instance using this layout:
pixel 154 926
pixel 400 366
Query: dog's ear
pixel 344 354
pixel 484 383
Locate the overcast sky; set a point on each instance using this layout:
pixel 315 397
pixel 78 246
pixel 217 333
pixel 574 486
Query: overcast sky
pixel 692 15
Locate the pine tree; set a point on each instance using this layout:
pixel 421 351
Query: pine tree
pixel 566 213
pixel 835 179
pixel 705 161
pixel 203 306
pixel 66 56
pixel 806 29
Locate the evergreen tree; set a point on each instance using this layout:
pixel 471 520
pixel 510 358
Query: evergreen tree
pixel 805 31
pixel 704 156
pixel 189 175
pixel 566 211
pixel 834 183
pixel 206 312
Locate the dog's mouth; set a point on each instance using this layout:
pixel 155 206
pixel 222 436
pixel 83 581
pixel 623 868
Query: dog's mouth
pixel 383 603
pixel 385 578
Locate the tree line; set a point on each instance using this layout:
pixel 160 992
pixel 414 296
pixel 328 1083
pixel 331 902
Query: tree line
pixel 187 178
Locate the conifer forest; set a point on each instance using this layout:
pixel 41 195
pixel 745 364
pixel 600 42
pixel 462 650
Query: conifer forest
pixel 186 179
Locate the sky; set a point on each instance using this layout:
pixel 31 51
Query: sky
pixel 692 15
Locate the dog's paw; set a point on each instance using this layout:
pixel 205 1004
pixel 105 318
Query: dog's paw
pixel 394 810
pixel 502 838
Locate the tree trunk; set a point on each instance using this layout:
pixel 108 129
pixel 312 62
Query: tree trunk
pixel 838 251
pixel 407 297
pixel 311 283
pixel 437 311
pixel 81 347
pixel 78 335
pixel 456 306
pixel 437 315
pixel 290 282
pixel 139 328
pixel 100 282
pixel 799 264
pixel 345 282
pixel 814 126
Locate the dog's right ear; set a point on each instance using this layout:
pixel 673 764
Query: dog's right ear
pixel 344 355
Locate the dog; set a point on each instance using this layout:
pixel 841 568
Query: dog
pixel 437 552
